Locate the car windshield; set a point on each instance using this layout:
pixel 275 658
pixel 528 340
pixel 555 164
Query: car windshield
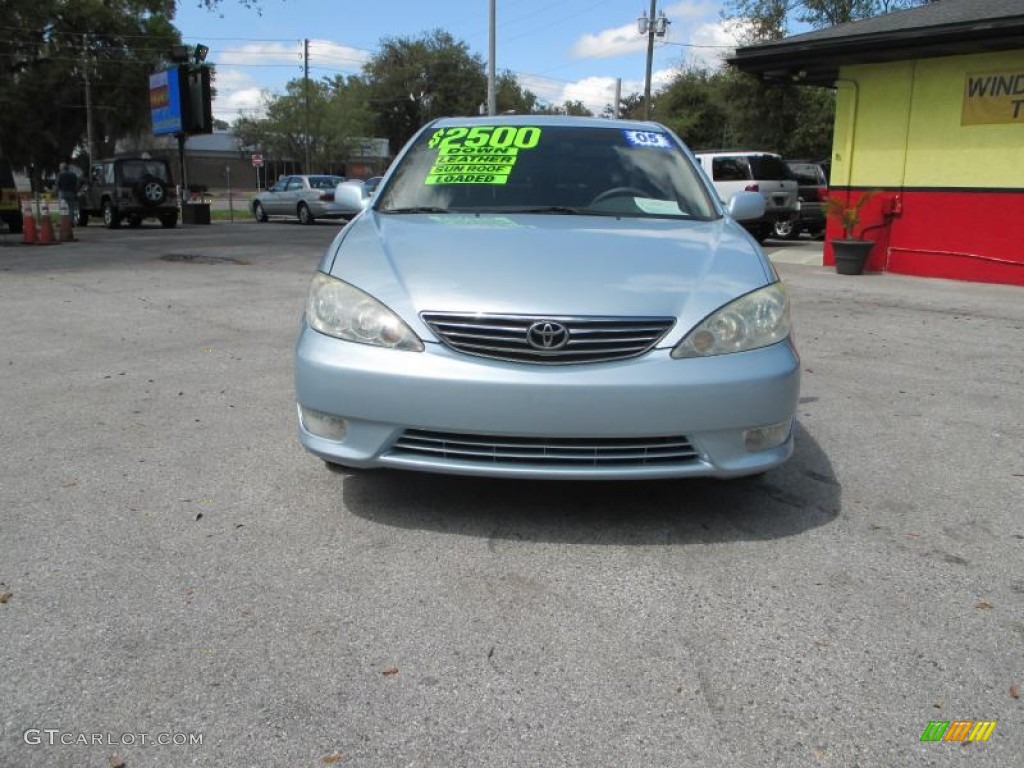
pixel 808 174
pixel 133 170
pixel 519 168
pixel 769 168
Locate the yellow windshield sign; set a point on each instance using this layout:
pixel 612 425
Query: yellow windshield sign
pixel 483 154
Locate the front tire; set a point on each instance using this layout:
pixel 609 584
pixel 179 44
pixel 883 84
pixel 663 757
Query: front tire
pixel 258 213
pixel 110 218
pixel 305 215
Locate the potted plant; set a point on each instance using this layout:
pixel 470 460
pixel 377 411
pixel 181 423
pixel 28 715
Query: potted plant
pixel 852 251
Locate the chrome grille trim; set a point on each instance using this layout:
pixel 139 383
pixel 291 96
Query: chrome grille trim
pixel 546 451
pixel 591 339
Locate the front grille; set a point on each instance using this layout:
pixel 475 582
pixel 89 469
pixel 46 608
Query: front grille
pixel 546 451
pixel 506 337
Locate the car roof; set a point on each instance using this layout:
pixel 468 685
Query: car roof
pixel 569 121
pixel 733 152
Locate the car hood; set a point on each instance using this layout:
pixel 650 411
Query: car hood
pixel 548 265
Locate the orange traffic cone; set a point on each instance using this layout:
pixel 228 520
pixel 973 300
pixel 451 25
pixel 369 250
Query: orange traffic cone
pixel 45 226
pixel 28 223
pixel 66 235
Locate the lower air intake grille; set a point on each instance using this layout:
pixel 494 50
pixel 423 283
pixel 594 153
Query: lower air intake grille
pixel 547 451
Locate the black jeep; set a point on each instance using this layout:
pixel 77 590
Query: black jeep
pixel 129 189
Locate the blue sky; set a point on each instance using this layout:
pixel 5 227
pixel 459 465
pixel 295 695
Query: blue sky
pixel 570 50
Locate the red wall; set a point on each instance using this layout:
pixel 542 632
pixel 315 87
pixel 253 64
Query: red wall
pixel 963 234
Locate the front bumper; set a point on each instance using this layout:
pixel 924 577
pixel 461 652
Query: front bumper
pixel 383 393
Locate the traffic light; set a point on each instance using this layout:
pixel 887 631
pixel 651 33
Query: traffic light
pixel 199 55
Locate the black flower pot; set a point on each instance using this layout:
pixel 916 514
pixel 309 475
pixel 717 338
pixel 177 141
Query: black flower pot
pixel 851 255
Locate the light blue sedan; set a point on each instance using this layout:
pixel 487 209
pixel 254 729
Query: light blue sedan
pixel 548 297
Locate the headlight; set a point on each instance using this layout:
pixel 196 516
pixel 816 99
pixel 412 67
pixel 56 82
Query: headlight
pixel 758 319
pixel 338 309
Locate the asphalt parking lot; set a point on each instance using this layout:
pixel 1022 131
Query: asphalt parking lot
pixel 173 564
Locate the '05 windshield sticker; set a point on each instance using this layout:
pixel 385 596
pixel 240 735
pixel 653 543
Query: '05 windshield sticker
pixel 647 139
pixel 483 154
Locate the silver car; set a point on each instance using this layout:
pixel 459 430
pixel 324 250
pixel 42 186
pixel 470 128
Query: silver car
pixel 548 297
pixel 307 198
pixel 349 201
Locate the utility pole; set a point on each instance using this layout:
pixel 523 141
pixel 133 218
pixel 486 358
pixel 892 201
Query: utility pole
pixel 651 26
pixel 305 91
pixel 89 140
pixel 492 95
pixel 618 97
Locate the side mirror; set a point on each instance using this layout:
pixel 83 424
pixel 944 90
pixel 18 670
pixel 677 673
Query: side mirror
pixel 745 206
pixel 351 196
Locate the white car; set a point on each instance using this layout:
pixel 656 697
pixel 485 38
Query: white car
pixel 764 172
pixel 307 197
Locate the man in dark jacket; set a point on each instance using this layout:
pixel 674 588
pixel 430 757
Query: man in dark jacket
pixel 67 189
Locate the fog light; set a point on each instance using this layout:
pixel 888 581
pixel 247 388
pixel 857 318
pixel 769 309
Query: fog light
pixel 763 438
pixel 322 424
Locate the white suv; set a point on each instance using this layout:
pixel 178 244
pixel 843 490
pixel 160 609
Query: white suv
pixel 733 171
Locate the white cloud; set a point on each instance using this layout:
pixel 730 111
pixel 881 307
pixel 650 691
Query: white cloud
pixel 252 54
pixel 609 42
pixel 238 95
pixel 594 92
pixel 336 56
pixel 322 53
pixel 689 28
pixel 720 40
pixel 247 74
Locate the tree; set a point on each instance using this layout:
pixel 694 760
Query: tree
pixel 412 80
pixel 691 106
pixel 45 56
pixel 567 107
pixel 512 97
pixel 337 115
pixel 631 107
pixel 795 121
pixel 42 74
pixel 772 19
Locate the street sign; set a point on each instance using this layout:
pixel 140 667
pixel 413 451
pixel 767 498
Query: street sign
pixel 257 161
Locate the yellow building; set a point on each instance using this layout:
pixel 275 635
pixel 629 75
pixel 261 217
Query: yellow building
pixel 929 117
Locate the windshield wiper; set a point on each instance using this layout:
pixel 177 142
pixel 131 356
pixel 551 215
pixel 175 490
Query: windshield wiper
pixel 559 209
pixel 417 209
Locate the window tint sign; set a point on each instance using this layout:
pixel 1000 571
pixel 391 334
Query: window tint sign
pixel 165 102
pixel 993 97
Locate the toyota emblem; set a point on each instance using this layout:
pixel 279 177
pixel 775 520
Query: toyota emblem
pixel 547 335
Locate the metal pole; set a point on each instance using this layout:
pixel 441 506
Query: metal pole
pixel 181 165
pixel 231 202
pixel 650 61
pixel 618 97
pixel 492 95
pixel 89 140
pixel 305 89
